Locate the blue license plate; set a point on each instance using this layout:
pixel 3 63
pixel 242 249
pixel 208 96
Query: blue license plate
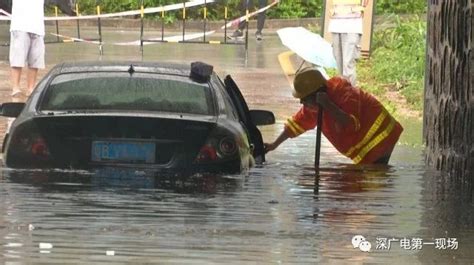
pixel 115 151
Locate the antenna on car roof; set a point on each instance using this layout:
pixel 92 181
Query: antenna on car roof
pixel 201 72
pixel 131 69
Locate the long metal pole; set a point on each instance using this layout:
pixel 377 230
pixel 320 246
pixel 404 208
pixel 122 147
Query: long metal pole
pixel 78 29
pixel 317 153
pixel 246 30
pixel 141 26
pixel 205 19
pixel 184 20
pixel 162 24
pixel 57 24
pixel 225 24
pixel 99 26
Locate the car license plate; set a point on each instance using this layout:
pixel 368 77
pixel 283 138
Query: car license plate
pixel 115 151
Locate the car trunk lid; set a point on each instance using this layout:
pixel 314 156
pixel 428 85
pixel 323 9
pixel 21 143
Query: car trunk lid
pixel 84 140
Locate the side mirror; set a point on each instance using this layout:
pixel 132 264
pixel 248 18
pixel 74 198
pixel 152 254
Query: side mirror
pixel 262 117
pixel 11 109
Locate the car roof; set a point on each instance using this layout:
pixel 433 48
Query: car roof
pixel 124 66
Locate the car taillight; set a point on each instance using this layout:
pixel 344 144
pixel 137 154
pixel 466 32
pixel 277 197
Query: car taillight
pixel 27 147
pixel 30 145
pixel 39 148
pixel 217 147
pixel 207 153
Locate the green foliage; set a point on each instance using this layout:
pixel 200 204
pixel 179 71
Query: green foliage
pixel 296 9
pixel 285 9
pixel 401 6
pixel 288 10
pixel 398 57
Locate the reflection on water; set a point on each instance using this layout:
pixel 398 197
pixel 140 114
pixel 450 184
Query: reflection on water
pixel 268 215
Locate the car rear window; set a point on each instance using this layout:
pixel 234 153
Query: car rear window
pixel 122 91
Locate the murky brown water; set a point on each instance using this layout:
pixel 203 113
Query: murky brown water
pixel 267 215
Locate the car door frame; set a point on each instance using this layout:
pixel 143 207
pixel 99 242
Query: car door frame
pixel 243 112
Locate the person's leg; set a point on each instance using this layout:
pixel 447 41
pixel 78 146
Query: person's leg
pixel 261 16
pixel 35 60
pixel 31 79
pixel 336 49
pixel 15 75
pixel 350 52
pixel 18 53
pixel 18 95
pixel 383 160
pixel 17 58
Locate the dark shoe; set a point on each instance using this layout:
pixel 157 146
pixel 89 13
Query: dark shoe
pixel 258 36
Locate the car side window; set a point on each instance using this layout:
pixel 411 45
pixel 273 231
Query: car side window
pixel 236 99
pixel 229 107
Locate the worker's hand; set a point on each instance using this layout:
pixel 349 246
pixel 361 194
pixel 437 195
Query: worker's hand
pixel 267 147
pixel 322 99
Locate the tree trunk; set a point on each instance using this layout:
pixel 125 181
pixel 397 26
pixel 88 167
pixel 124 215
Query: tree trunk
pixel 448 125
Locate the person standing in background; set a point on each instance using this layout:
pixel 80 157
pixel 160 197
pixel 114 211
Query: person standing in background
pixel 345 25
pixel 26 45
pixel 247 4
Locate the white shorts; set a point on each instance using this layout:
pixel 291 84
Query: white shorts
pixel 26 49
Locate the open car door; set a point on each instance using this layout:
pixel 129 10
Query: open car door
pixel 244 115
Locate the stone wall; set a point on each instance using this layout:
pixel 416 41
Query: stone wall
pixel 449 89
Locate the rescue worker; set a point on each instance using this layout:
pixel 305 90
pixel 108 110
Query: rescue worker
pixel 354 121
pixel 346 29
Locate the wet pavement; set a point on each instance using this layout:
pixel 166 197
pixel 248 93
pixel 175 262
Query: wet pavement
pixel 269 214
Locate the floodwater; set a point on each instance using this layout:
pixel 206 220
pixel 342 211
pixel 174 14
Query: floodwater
pixel 270 214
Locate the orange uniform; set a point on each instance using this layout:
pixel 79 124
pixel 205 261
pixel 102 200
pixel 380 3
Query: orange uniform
pixel 372 134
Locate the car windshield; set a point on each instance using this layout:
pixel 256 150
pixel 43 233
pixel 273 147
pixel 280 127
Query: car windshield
pixel 122 91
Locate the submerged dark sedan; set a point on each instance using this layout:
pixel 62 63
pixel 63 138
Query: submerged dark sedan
pixel 153 115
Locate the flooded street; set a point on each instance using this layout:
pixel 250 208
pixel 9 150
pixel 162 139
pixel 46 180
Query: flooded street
pixel 270 214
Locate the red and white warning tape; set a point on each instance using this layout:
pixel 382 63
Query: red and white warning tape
pixel 149 10
pixel 4 13
pixel 175 38
pixel 236 21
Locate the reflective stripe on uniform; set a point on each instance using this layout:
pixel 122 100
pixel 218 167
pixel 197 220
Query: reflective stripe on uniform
pixel 379 138
pixel 295 127
pixel 368 136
